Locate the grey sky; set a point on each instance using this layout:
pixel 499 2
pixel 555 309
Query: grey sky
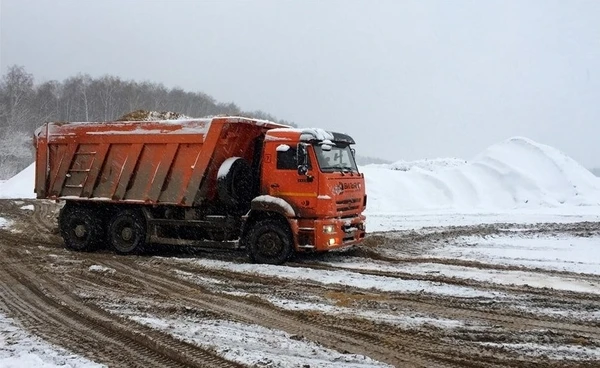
pixel 408 79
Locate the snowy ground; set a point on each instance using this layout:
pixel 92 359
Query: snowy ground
pixel 255 345
pixel 4 222
pixel 20 349
pixel 408 220
pixel 326 277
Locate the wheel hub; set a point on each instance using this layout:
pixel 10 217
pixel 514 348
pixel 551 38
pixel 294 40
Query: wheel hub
pixel 127 233
pixel 270 244
pixel 80 231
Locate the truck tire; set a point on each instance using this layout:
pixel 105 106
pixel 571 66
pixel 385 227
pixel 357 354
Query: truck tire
pixel 235 184
pixel 269 241
pixel 127 232
pixel 80 228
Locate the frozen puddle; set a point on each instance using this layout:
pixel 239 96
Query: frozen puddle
pixel 19 349
pixel 255 345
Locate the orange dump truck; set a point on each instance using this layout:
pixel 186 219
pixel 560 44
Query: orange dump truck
pixel 224 182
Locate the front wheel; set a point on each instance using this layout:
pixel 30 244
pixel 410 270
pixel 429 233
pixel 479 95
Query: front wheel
pixel 270 241
pixel 127 232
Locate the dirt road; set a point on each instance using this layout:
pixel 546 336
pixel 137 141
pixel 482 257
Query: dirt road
pixel 94 304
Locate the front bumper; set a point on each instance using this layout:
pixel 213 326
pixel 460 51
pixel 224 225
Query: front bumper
pixel 341 233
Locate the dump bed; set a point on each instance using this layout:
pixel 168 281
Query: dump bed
pixel 158 162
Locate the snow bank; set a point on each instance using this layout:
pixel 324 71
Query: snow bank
pixel 20 185
pixel 516 173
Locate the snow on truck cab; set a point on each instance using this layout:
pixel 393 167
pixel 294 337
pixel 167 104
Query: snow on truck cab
pixel 220 182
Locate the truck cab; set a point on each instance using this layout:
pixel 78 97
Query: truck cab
pixel 312 175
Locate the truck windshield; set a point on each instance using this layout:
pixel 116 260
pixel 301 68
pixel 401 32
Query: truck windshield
pixel 339 158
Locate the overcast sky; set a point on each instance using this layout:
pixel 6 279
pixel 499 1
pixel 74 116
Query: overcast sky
pixel 407 79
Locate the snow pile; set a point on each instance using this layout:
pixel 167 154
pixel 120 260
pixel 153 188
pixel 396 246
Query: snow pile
pixel 427 164
pixel 143 115
pixel 20 185
pixel 516 173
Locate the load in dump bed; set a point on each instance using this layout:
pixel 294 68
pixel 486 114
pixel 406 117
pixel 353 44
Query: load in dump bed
pixel 223 182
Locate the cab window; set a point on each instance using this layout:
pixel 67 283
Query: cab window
pixel 286 159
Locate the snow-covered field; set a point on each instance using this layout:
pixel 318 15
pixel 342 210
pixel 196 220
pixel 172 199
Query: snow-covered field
pixel 517 181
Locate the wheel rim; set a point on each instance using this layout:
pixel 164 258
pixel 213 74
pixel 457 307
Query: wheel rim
pixel 270 244
pixel 124 235
pixel 127 233
pixel 79 232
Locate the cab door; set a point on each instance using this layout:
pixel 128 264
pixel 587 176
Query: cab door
pixel 281 178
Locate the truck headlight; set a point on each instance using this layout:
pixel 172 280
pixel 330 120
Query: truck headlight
pixel 328 229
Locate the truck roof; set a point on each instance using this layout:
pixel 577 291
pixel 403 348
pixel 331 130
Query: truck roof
pixel 307 135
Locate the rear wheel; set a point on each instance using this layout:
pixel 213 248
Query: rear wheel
pixel 269 241
pixel 80 228
pixel 127 231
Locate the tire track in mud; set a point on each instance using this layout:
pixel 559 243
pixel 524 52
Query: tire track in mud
pixel 371 254
pixel 39 224
pixel 406 348
pixel 51 312
pixel 257 314
pixel 453 308
pixel 379 341
pixel 247 311
pixel 460 281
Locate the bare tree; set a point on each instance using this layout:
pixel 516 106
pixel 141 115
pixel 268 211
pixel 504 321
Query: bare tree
pixel 16 89
pixel 25 106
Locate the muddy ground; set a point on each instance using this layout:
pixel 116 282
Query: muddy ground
pixel 83 301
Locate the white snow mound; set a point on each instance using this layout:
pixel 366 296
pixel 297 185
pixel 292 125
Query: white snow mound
pixel 427 164
pixel 20 185
pixel 516 173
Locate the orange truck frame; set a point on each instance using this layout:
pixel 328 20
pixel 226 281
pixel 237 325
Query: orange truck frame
pixel 222 182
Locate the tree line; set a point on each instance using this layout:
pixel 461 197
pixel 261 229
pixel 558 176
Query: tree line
pixel 25 105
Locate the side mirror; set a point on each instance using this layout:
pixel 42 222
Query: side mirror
pixel 302 158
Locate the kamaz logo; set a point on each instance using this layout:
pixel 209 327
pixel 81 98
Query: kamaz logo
pixel 340 187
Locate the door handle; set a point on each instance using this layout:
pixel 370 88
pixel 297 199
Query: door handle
pixel 274 185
